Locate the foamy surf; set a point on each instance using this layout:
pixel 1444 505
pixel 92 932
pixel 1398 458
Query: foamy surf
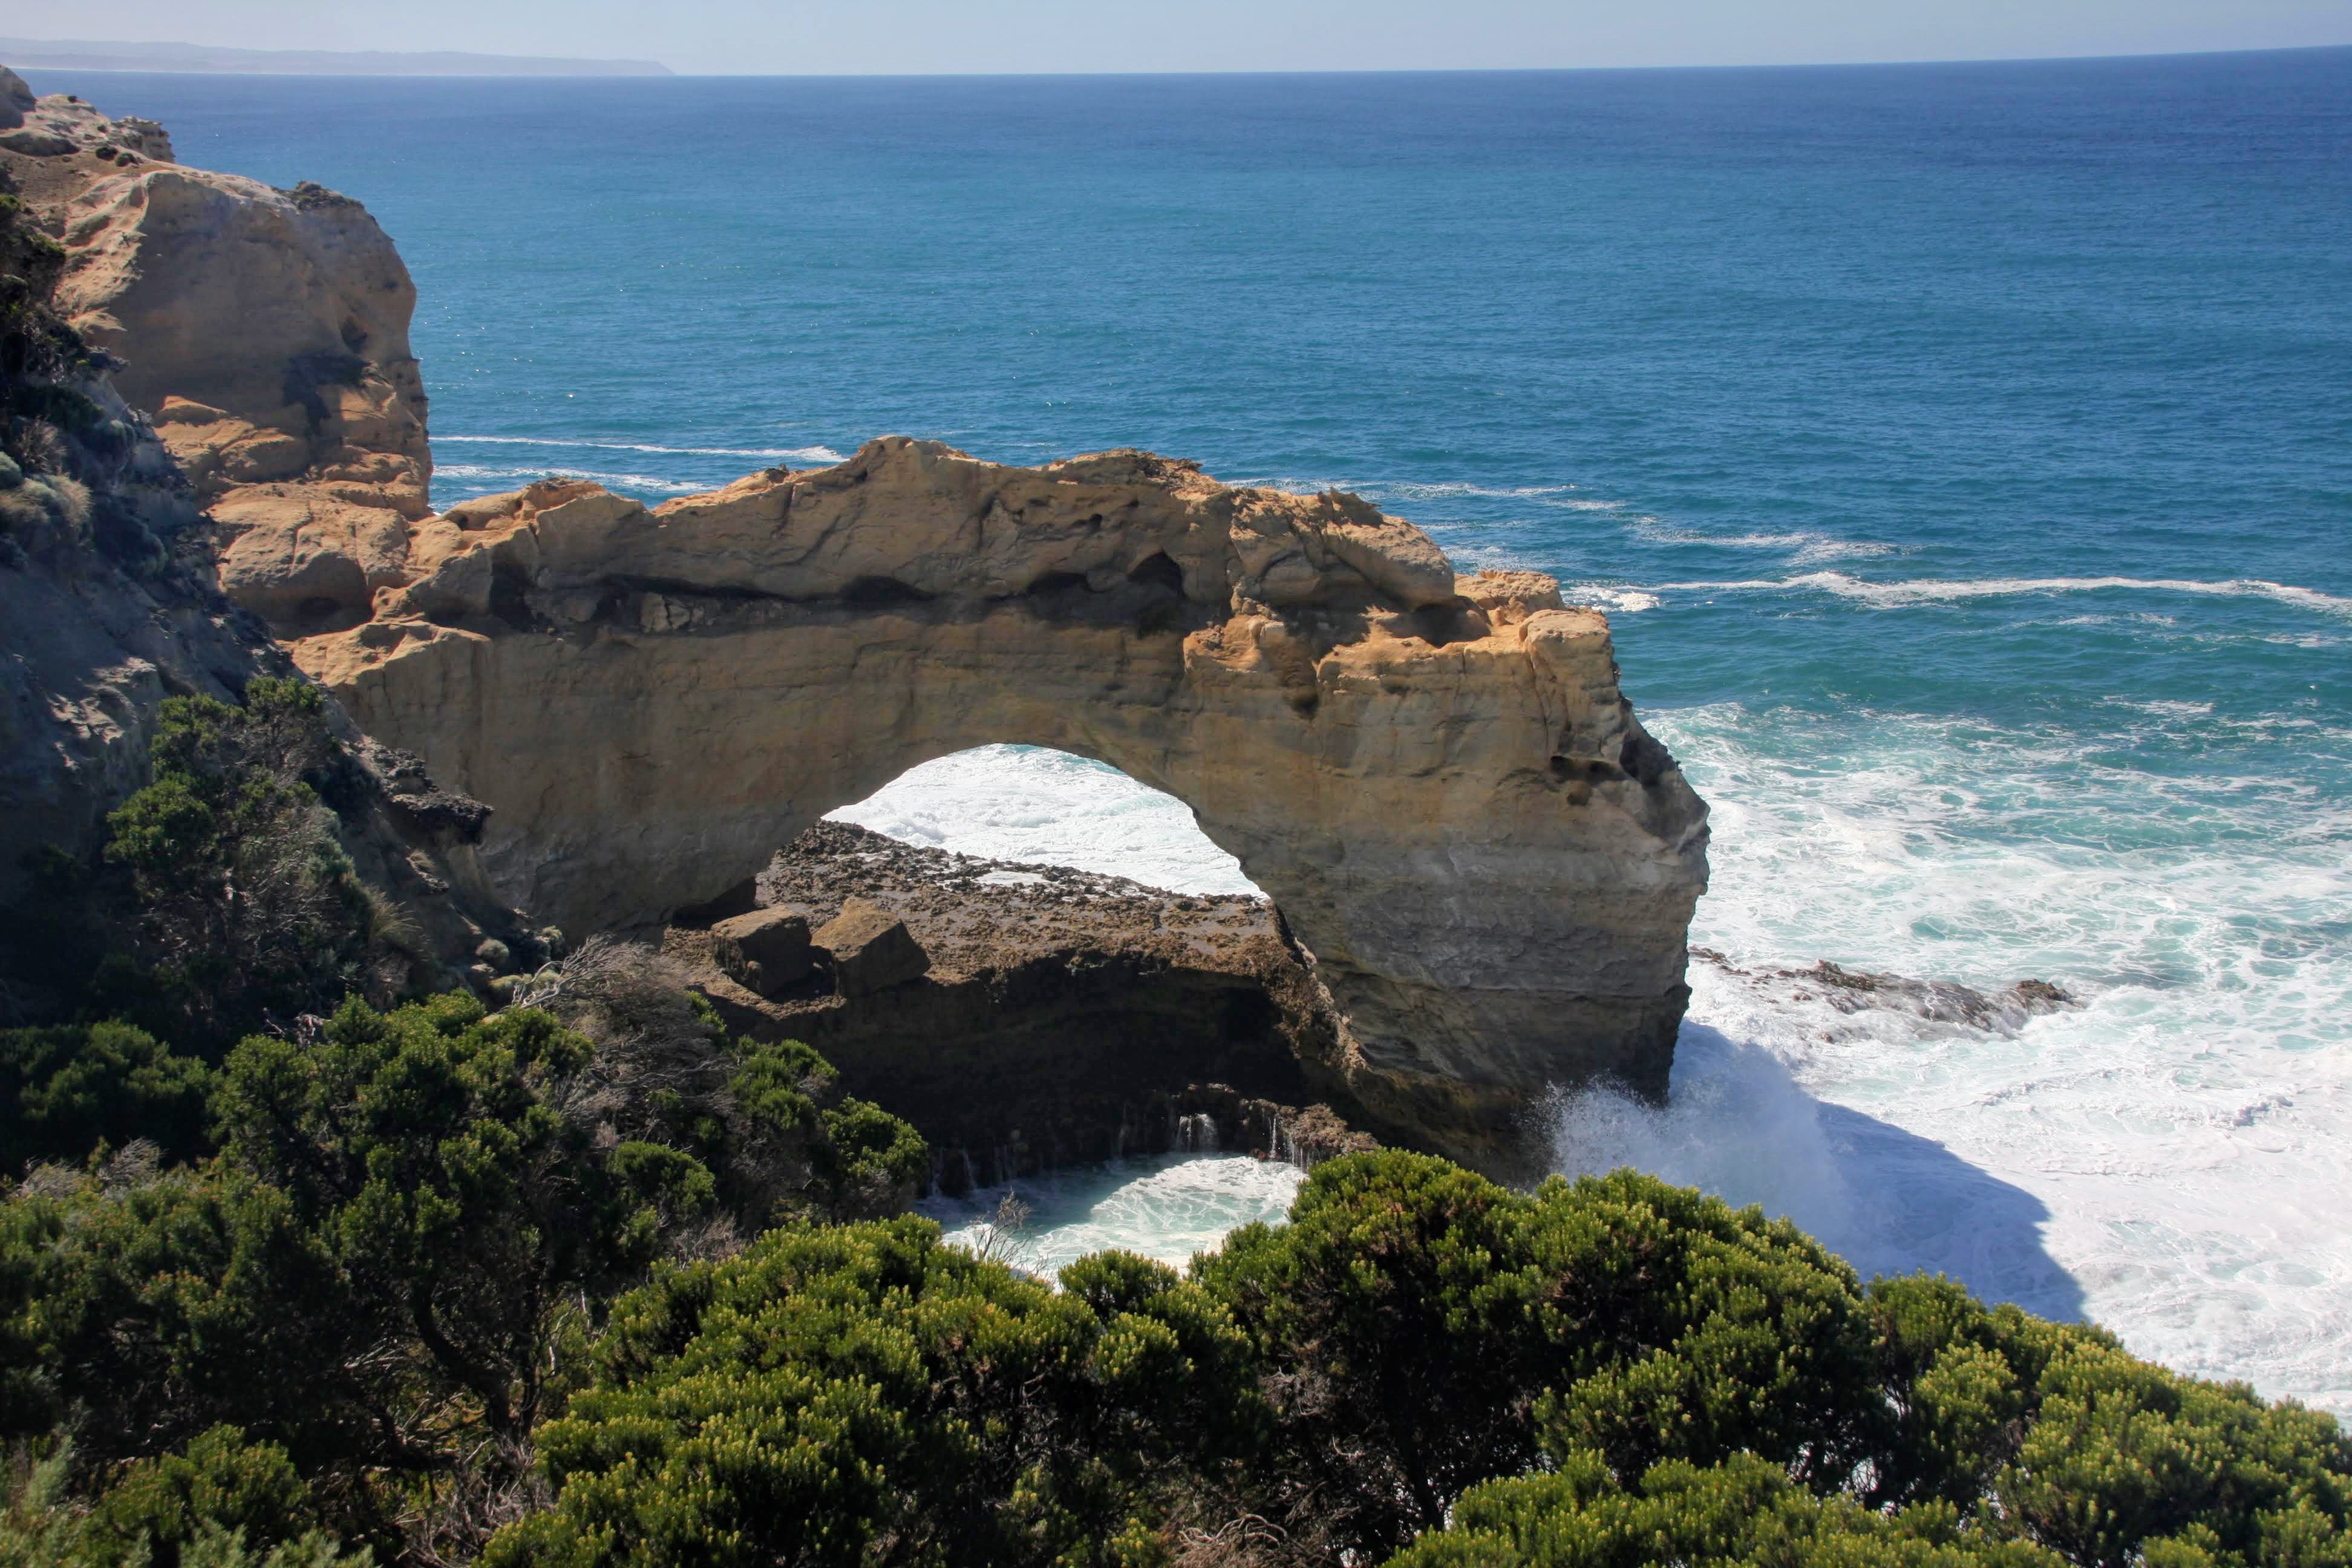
pixel 2168 1158
pixel 801 454
pixel 605 477
pixel 1803 545
pixel 1165 1207
pixel 1932 591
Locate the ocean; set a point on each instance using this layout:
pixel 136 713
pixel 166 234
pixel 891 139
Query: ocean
pixel 1964 453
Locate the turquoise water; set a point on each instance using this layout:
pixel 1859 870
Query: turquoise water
pixel 1965 454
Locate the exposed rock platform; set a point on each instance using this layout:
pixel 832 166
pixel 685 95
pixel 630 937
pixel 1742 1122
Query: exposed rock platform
pixel 1065 1017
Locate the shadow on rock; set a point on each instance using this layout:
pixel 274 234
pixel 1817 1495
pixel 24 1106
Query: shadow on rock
pixel 1739 1125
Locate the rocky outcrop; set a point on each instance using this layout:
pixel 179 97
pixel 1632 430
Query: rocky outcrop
pixel 1064 1016
pixel 1439 781
pixel 265 333
pixel 109 597
pixel 763 951
pixel 871 950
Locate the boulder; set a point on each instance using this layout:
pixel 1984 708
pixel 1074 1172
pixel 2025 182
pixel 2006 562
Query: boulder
pixel 871 949
pixel 763 952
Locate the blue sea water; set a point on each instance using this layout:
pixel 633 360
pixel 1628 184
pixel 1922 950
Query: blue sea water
pixel 1964 452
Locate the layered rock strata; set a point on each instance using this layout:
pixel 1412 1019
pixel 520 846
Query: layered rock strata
pixel 264 334
pixel 1439 781
pixel 125 273
pixel 1064 1016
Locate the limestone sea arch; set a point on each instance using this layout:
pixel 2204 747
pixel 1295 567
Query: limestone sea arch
pixel 1437 780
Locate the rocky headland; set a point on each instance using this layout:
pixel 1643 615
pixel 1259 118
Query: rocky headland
pixel 594 714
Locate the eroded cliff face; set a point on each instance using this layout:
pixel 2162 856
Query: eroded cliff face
pixel 1439 782
pixel 132 288
pixel 265 333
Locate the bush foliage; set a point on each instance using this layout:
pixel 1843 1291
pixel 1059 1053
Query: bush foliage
pixel 585 1281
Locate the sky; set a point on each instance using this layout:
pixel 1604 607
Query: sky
pixel 893 36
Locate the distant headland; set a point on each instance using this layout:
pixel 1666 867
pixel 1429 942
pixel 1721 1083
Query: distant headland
pixel 82 54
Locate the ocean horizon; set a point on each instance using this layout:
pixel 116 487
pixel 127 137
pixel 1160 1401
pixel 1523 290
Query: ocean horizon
pixel 1963 453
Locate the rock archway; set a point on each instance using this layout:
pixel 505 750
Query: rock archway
pixel 1437 780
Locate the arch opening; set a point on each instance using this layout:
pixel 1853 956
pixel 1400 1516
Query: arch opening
pixel 1036 805
pixel 1098 984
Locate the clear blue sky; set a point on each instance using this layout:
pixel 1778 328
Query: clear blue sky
pixel 922 35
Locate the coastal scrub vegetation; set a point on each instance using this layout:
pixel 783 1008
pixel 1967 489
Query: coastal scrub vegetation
pixel 299 1268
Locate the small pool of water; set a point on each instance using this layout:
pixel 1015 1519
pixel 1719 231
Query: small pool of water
pixel 1166 1207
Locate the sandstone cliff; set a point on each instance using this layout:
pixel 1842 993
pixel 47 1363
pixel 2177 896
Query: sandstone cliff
pixel 1438 782
pixel 264 334
pixel 122 272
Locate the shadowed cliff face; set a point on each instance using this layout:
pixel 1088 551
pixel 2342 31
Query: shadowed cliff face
pixel 1438 782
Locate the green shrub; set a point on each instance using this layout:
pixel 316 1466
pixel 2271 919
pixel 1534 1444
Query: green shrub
pixel 65 1091
pixel 1741 1514
pixel 1423 1330
pixel 426 1150
pixel 863 1394
pixel 145 1314
pixel 245 903
pixel 162 1505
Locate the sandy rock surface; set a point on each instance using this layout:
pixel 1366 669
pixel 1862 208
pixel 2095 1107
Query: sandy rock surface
pixel 1438 780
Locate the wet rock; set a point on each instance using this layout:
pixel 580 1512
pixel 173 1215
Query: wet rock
pixel 1939 1001
pixel 765 951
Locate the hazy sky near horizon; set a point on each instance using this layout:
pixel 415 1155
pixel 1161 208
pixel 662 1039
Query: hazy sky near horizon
pixel 888 37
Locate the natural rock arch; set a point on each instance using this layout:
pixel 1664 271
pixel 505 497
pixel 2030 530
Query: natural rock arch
pixel 1438 782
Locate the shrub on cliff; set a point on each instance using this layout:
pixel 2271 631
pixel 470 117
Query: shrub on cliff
pixel 245 905
pixel 767 1116
pixel 66 1090
pixel 864 1394
pixel 412 1227
pixel 1420 1329
pixel 222 1503
pixel 223 901
pixel 1744 1511
pixel 426 1150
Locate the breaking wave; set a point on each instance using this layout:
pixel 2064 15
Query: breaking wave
pixel 810 454
pixel 473 471
pixel 1930 591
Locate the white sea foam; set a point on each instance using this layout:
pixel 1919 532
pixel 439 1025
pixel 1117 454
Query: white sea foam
pixel 1804 545
pixel 1029 804
pixel 805 453
pixel 1168 1208
pixel 2171 1157
pixel 1624 601
pixel 603 477
pixel 2169 1160
pixel 1385 492
pixel 1929 590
